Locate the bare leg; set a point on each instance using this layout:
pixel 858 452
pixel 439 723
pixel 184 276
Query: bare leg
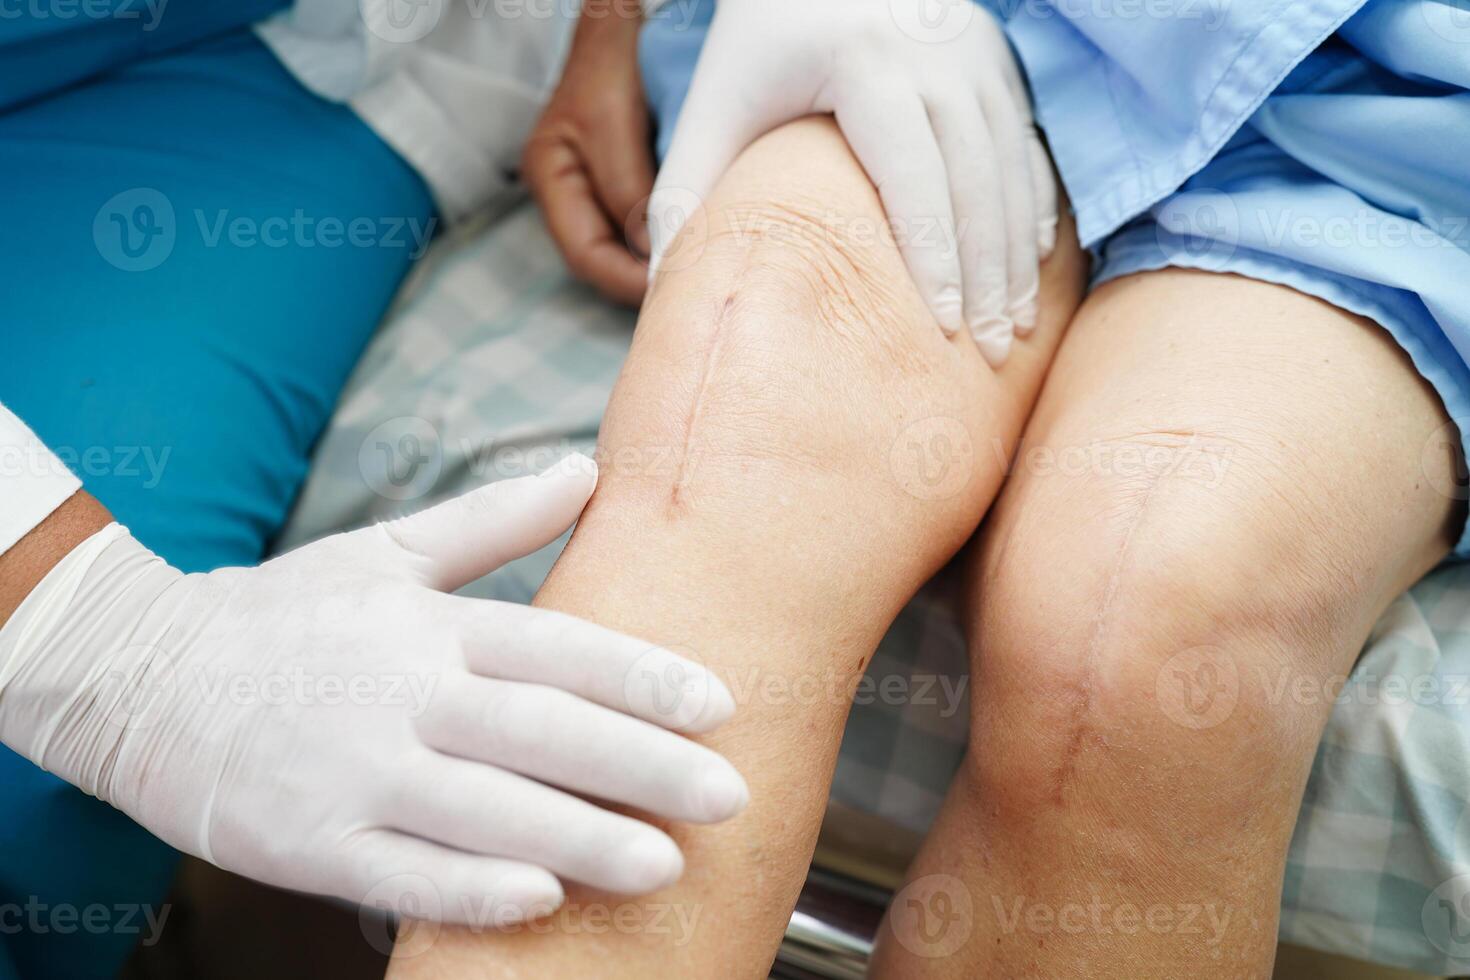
pixel 792 450
pixel 1224 484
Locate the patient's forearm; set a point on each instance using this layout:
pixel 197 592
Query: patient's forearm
pixel 792 450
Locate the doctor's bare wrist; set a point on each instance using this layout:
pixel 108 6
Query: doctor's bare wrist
pixel 28 561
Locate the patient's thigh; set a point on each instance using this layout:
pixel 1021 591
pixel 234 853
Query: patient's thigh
pixel 792 449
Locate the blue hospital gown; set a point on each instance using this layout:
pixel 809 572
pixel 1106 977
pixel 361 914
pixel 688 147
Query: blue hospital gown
pixel 1320 144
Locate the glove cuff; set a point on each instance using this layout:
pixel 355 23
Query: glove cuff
pixel 72 656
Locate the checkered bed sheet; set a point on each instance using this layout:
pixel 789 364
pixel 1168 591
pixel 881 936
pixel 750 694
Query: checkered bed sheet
pixel 493 362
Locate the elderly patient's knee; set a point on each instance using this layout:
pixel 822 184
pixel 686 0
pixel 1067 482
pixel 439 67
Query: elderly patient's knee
pixel 782 368
pixel 1137 642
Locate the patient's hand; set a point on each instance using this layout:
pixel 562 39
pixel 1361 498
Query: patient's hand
pixel 588 161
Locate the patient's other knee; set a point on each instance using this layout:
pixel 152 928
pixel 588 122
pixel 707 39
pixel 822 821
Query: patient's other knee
pixel 1133 640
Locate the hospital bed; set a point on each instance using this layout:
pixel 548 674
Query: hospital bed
pixel 493 361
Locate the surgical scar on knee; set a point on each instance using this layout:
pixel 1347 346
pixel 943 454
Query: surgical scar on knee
pixel 713 350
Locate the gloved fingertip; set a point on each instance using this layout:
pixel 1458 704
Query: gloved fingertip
pixel 948 309
pixel 1023 311
pixel 1046 237
pixel 650 863
pixel 533 892
pixel 718 708
pixel 994 336
pixel 721 792
pixel 701 716
pixel 1026 319
pixel 573 467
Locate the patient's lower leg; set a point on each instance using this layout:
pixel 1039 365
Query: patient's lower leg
pixel 792 450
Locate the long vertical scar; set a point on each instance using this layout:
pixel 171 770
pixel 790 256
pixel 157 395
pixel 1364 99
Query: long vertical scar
pixel 696 409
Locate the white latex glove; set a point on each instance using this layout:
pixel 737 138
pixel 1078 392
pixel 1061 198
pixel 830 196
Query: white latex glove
pixel 938 116
pixel 333 722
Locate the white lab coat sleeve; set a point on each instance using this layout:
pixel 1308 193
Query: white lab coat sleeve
pixel 454 86
pixel 33 481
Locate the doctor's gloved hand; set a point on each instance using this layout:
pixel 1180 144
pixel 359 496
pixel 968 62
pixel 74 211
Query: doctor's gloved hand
pixel 938 115
pixel 333 722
